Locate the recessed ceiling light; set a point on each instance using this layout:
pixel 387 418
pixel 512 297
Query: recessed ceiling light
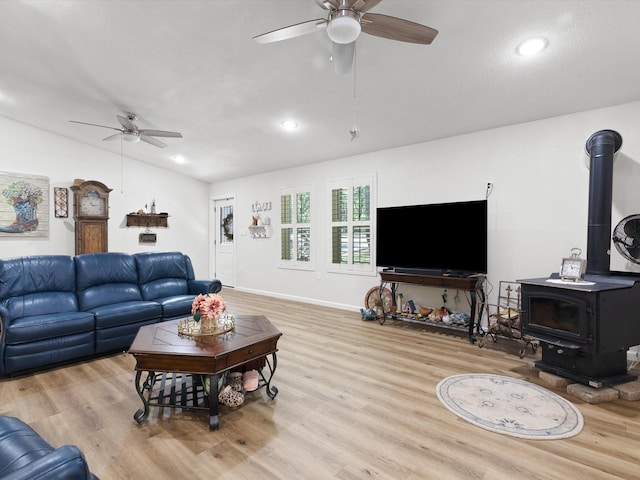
pixel 289 124
pixel 532 46
pixel 179 159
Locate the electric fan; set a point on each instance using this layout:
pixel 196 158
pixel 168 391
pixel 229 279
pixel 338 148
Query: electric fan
pixel 626 238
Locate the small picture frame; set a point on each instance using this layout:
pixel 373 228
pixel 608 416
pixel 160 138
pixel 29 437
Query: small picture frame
pixel 61 202
pixel 147 238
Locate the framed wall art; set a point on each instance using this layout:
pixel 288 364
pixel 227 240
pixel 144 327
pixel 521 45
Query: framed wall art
pixel 61 200
pixel 24 205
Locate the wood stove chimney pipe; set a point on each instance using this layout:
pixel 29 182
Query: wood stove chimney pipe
pixel 601 147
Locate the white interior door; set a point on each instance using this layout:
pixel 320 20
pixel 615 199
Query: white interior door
pixel 225 246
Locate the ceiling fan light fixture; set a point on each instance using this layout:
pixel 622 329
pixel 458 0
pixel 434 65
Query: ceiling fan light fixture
pixel 130 137
pixel 344 27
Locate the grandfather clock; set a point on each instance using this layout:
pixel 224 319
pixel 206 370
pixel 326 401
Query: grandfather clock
pixel 91 214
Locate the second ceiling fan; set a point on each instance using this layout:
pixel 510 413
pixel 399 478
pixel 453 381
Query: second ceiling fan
pixel 129 131
pixel 345 21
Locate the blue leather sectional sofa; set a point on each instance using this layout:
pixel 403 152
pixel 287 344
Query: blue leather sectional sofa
pixel 57 309
pixel 24 455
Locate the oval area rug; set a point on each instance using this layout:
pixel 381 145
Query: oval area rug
pixel 510 406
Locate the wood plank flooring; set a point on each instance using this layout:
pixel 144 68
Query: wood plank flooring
pixel 356 401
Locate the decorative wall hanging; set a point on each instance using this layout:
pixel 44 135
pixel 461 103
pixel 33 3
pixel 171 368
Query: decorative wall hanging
pixel 24 205
pixel 61 200
pixel 260 206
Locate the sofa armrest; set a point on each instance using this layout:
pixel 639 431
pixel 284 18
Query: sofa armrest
pixel 204 286
pixel 64 462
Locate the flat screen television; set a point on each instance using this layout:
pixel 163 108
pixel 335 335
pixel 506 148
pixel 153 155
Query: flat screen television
pixel 442 238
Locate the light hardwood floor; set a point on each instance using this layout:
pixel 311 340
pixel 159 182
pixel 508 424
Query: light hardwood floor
pixel 356 401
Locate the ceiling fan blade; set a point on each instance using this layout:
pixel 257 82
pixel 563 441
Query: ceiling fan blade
pixel 152 141
pixel 342 56
pixel 95 125
pixel 328 4
pixel 368 5
pixel 159 133
pixel 292 31
pixel 397 29
pixel 126 123
pixel 112 137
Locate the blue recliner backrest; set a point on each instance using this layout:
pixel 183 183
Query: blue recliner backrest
pixel 163 274
pixel 105 279
pixel 37 285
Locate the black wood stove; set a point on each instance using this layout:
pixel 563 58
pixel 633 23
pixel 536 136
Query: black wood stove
pixel 585 328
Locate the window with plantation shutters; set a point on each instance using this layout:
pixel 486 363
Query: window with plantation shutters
pixel 295 229
pixel 352 215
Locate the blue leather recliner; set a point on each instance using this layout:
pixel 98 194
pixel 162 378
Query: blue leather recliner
pixel 24 455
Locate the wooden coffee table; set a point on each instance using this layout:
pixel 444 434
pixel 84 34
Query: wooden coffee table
pixel 171 367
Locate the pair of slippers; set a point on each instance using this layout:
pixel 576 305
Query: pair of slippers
pixel 230 397
pixel 232 394
pixel 250 380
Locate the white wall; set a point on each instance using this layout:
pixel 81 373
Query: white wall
pixel 27 150
pixel 537 211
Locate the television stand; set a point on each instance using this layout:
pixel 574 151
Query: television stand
pixel 472 284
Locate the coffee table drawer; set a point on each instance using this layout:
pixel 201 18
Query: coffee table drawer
pixel 243 355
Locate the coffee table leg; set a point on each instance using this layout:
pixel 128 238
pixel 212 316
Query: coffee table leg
pixel 271 391
pixel 214 421
pixel 141 415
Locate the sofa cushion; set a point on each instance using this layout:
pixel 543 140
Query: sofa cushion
pixel 162 274
pixel 105 279
pixel 176 306
pixel 107 295
pixel 41 303
pixel 39 327
pixel 165 287
pixel 123 313
pixel 37 285
pixel 29 356
pixel 119 337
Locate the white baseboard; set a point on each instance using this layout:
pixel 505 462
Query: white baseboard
pixel 341 306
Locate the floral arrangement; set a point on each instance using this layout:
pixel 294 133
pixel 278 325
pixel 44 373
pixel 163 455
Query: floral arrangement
pixel 209 306
pixel 20 191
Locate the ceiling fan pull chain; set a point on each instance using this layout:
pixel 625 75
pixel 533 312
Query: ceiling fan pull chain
pixel 354 130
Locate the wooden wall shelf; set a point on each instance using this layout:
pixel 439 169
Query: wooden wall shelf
pixel 147 220
pixel 259 231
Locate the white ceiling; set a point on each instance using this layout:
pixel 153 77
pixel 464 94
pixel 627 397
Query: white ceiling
pixel 193 67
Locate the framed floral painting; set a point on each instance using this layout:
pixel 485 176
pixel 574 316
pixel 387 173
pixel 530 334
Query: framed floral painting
pixel 24 205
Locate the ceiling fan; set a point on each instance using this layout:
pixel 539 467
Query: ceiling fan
pixel 346 19
pixel 131 133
